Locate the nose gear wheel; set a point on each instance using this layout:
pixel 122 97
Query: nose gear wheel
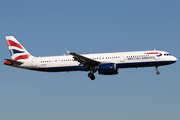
pixel 157 72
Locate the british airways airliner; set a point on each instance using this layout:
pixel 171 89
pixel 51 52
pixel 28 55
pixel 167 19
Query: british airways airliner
pixel 103 63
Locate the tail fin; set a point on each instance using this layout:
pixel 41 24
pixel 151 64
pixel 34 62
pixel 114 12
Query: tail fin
pixel 18 52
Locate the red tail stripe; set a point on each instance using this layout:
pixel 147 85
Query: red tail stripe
pixel 12 43
pixel 22 57
pixel 153 53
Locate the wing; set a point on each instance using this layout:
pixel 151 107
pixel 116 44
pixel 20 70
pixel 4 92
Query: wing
pixel 85 61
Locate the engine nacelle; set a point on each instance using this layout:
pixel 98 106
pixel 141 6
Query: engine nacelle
pixel 107 69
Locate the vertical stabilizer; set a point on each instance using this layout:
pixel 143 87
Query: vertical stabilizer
pixel 18 52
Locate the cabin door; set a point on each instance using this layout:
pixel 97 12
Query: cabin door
pixel 122 58
pixel 33 62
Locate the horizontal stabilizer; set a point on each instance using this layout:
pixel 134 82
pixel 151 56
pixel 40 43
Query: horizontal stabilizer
pixel 13 61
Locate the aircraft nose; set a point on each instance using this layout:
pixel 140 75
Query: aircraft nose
pixel 174 59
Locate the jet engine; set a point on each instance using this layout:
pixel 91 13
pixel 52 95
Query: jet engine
pixel 107 69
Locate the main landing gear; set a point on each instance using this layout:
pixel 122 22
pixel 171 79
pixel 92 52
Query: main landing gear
pixel 157 72
pixel 91 76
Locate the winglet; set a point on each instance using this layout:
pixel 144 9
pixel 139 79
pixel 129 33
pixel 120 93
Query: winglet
pixel 67 52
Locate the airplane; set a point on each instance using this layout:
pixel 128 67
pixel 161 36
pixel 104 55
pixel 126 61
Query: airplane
pixel 103 63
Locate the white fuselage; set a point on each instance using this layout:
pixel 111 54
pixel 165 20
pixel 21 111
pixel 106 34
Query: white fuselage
pixel 121 59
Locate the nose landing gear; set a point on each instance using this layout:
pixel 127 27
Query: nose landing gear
pixel 157 72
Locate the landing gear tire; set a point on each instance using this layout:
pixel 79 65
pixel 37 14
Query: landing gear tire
pixel 157 72
pixel 91 76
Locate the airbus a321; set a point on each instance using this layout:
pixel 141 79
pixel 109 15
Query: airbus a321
pixel 103 63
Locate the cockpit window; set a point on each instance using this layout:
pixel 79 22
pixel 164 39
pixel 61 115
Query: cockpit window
pixel 167 54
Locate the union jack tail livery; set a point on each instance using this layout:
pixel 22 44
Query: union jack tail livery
pixel 17 51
